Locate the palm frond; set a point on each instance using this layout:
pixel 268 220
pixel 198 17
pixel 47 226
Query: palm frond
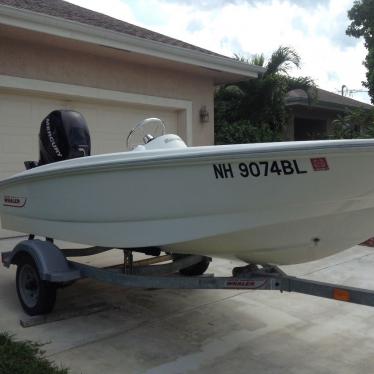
pixel 282 60
pixel 258 60
pixel 241 58
pixel 306 84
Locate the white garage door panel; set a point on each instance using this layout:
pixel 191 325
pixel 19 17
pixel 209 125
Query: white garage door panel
pixel 109 124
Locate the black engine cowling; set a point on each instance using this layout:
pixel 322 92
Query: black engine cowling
pixel 63 135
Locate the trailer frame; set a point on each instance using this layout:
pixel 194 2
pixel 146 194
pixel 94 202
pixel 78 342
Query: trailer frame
pixel 54 268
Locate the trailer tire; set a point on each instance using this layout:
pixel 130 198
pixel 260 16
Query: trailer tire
pixel 196 269
pixel 35 295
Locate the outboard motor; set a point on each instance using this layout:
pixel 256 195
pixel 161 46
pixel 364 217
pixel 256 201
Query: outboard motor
pixel 63 135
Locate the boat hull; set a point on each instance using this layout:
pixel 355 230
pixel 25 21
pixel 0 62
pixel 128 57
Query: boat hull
pixel 279 205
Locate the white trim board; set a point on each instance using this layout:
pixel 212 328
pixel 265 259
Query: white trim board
pixel 91 93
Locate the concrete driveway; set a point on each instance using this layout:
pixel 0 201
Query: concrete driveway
pixel 207 331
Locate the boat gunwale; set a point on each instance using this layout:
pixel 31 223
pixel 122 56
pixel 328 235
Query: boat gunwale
pixel 171 158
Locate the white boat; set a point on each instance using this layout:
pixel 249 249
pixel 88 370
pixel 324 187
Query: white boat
pixel 274 203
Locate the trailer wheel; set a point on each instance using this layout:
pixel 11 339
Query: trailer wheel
pixel 196 269
pixel 36 296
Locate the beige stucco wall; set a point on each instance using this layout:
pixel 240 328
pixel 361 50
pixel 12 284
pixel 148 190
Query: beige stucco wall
pixel 38 60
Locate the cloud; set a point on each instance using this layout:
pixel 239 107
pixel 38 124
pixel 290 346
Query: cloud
pixel 309 3
pixel 337 32
pixel 210 4
pixel 195 25
pixel 234 44
pixel 332 76
pixel 298 24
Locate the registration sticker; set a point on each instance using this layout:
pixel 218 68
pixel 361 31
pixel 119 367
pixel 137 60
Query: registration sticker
pixel 319 164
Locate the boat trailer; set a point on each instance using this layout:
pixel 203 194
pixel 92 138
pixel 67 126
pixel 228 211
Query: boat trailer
pixel 42 267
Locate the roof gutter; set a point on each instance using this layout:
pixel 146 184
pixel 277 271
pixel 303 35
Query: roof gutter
pixel 96 35
pixel 323 104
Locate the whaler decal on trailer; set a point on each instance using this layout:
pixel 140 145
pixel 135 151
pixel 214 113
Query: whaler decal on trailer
pixel 14 201
pixel 257 169
pixel 245 283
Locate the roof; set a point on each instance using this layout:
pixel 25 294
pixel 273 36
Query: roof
pixel 71 12
pixel 71 22
pixel 325 99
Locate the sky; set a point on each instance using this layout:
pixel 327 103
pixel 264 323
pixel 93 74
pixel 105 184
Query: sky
pixel 314 28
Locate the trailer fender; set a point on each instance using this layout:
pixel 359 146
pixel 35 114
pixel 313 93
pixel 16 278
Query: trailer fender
pixel 51 263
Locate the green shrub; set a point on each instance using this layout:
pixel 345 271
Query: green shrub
pixel 24 357
pixel 254 110
pixel 354 124
pixel 243 131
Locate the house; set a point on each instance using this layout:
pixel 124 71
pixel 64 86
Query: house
pixel 313 120
pixel 56 55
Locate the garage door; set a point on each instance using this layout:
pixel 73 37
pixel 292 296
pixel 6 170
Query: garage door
pixel 109 124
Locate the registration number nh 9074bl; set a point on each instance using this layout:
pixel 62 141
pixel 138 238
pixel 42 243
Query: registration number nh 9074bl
pixel 257 169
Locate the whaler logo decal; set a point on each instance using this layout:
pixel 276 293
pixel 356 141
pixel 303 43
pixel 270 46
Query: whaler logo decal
pixel 14 201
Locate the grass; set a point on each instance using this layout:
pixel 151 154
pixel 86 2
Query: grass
pixel 24 357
